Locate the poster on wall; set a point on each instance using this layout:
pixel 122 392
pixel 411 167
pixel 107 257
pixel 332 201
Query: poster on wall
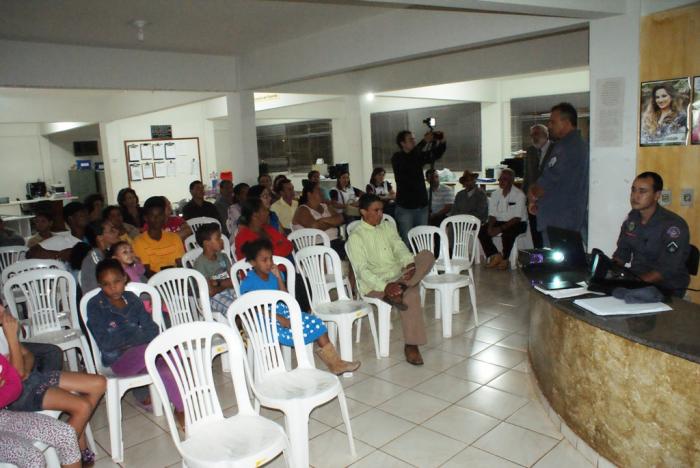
pixel 695 133
pixel 664 112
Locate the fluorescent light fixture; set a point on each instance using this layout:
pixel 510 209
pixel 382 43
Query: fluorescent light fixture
pixel 369 97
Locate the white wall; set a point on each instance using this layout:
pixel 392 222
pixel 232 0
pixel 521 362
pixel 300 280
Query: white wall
pixel 187 121
pixel 26 155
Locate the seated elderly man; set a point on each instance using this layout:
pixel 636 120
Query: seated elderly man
pixel 507 217
pixel 386 269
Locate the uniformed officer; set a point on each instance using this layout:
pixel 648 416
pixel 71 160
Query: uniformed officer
pixel 653 238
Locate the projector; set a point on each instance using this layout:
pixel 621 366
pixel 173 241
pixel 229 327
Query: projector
pixel 541 258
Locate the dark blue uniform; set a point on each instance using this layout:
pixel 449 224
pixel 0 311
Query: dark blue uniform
pixel 662 244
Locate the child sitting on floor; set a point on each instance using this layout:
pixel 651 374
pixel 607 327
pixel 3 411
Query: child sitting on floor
pixel 123 329
pixel 215 266
pixel 266 275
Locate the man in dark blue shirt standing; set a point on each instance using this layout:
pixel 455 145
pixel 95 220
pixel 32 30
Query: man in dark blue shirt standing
pixel 559 198
pixel 411 195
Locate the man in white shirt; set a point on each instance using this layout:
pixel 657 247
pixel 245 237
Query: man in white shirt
pixel 507 218
pixel 442 199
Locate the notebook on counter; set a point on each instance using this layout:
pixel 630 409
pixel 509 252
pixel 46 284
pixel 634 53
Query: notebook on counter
pixel 614 306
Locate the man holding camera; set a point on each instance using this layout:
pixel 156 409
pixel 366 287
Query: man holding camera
pixel 411 195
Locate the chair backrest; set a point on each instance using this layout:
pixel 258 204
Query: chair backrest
pixel 308 237
pixel 256 312
pixel 191 243
pixel 29 265
pixel 185 293
pixel 352 225
pixel 423 238
pixel 47 292
pixel 137 288
pixel 12 254
pixel 389 219
pixel 240 269
pixel 188 353
pixel 311 262
pixel 195 223
pixel 190 256
pixel 464 232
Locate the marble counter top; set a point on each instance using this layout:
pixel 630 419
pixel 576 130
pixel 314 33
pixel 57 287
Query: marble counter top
pixel 675 332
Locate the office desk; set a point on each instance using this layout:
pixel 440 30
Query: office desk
pixel 629 386
pixel 55 208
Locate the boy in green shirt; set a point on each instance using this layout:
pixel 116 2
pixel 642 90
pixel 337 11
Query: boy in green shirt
pixel 215 266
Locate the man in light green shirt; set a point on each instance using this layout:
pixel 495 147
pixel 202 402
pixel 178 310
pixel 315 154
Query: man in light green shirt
pixel 286 206
pixel 386 269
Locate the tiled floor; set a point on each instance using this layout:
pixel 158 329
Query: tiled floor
pixel 471 404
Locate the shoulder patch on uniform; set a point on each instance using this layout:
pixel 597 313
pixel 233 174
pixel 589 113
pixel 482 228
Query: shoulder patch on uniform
pixel 673 232
pixel 672 247
pixel 552 161
pixel 631 225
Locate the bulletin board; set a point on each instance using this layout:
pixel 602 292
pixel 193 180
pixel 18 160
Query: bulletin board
pixel 163 167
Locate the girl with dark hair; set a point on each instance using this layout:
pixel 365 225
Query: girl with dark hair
pixel 126 231
pixel 129 205
pixel 101 236
pixel 240 195
pixel 267 276
pixel 382 188
pixel 253 224
pixel 344 196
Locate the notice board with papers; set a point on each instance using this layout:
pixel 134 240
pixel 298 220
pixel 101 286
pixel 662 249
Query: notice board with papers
pixel 163 167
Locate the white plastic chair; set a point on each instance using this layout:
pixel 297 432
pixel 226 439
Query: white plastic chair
pixel 297 392
pixel 118 386
pixel 241 267
pixel 342 312
pixel 195 223
pixel 185 293
pixel 48 292
pixel 211 440
pixel 190 256
pixel 21 266
pixel 308 237
pixel 191 243
pixel 464 232
pixel 383 317
pixel 445 285
pixel 11 254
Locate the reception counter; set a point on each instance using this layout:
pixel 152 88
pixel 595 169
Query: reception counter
pixel 629 386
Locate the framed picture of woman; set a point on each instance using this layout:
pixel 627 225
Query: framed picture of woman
pixel 664 112
pixel 695 132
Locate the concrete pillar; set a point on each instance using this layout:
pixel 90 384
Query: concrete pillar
pixel 614 55
pixel 243 159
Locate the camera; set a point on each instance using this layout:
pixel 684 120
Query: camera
pixel 438 135
pixel 430 122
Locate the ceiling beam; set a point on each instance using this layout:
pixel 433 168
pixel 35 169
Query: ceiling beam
pixel 589 9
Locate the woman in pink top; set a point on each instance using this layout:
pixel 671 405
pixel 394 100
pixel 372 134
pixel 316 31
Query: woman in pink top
pixel 19 430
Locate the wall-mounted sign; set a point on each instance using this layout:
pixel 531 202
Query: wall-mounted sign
pixel 161 131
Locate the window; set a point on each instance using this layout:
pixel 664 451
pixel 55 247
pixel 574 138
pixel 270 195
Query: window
pixel 526 112
pixel 460 122
pixel 294 147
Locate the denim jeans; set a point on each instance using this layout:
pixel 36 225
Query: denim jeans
pixel 408 218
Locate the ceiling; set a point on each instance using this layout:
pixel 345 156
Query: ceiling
pixel 217 27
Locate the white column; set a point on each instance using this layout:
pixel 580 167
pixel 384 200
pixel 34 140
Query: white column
pixel 243 159
pixel 614 53
pixel 360 166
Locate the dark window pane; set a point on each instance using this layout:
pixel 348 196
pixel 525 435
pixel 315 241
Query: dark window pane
pixel 295 146
pixel 460 122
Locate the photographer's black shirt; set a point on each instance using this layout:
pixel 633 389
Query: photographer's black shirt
pixel 408 171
